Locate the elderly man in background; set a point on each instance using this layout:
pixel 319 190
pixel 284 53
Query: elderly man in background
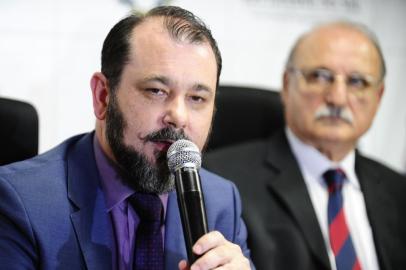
pixel 310 199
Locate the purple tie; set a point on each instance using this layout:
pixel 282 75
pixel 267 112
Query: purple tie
pixel 149 254
pixel 340 238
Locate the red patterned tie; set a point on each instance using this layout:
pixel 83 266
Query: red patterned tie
pixel 340 238
pixel 149 254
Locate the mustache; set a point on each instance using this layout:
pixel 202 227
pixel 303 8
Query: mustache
pixel 337 112
pixel 166 134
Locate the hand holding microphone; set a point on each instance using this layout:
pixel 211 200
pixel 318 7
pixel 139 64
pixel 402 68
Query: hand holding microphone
pixel 184 161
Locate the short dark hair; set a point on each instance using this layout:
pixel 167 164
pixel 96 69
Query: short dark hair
pixel 363 29
pixel 181 25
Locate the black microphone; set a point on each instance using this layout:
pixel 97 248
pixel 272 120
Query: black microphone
pixel 184 161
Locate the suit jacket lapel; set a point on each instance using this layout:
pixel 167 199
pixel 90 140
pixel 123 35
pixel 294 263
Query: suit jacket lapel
pixel 175 249
pixel 90 221
pixel 378 204
pixel 289 185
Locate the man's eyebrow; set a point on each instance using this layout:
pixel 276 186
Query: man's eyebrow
pixel 202 87
pixel 156 78
pixel 166 81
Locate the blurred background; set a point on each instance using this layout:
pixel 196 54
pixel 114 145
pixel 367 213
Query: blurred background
pixel 49 49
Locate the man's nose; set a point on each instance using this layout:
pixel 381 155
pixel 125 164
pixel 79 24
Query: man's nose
pixel 337 92
pixel 176 114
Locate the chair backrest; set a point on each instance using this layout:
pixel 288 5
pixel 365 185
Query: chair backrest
pixel 19 131
pixel 244 114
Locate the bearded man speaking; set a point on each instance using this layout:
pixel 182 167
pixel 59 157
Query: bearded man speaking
pixel 105 200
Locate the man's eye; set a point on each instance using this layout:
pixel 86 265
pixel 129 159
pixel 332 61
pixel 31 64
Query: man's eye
pixel 197 99
pixel 155 91
pixel 319 76
pixel 357 82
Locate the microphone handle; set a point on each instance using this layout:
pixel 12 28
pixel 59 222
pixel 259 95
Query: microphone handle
pixel 191 207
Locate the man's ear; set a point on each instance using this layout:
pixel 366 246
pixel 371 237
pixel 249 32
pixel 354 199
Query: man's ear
pixel 285 86
pixel 100 94
pixel 381 90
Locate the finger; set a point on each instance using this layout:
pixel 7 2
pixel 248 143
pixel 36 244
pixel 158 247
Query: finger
pixel 213 258
pixel 238 261
pixel 240 265
pixel 183 265
pixel 226 254
pixel 208 241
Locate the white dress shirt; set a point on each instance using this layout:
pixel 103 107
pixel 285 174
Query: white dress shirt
pixel 312 165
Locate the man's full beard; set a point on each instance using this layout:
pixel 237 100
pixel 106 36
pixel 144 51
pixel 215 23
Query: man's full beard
pixel 134 168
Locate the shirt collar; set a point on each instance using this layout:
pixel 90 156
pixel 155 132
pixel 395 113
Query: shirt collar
pixel 115 191
pixel 314 163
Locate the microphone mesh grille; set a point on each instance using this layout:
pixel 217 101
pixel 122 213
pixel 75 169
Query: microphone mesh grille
pixel 183 153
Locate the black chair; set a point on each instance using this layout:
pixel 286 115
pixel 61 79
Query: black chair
pixel 244 114
pixel 19 131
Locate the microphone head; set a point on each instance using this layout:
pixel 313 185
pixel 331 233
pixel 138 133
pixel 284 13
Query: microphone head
pixel 183 153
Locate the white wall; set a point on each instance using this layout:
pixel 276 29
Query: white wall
pixel 50 48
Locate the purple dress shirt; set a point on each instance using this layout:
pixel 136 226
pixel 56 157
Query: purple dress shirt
pixel 123 217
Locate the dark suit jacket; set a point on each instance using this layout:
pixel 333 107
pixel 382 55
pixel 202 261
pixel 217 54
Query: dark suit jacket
pixel 283 231
pixel 53 214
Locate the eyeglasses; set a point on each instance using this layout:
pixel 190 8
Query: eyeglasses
pixel 320 79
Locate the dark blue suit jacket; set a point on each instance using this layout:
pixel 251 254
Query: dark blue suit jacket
pixel 53 214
